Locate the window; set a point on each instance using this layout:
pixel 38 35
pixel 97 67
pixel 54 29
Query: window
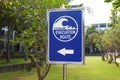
pixel 103 25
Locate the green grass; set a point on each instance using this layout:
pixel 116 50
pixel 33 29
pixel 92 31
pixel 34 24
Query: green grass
pixel 15 75
pixel 94 69
pixel 13 61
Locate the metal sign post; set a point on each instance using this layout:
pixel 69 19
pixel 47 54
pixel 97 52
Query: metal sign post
pixel 65 37
pixel 64 71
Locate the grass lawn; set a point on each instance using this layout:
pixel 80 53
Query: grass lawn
pixel 13 61
pixel 94 69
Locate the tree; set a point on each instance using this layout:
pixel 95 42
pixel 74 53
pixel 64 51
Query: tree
pixel 115 12
pixel 34 29
pixel 8 18
pixel 89 38
pixel 115 3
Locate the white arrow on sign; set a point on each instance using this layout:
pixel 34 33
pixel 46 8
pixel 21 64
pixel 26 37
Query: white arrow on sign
pixel 65 51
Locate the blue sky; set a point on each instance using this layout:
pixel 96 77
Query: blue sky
pixel 101 11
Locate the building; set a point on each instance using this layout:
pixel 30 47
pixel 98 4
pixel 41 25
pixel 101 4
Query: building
pixel 101 26
pixel 68 0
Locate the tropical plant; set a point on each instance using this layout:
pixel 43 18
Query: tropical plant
pixel 34 29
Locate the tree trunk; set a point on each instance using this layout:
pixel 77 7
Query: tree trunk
pixel 103 56
pixel 26 54
pixel 38 69
pixel 31 64
pixel 91 49
pixel 46 70
pixel 8 46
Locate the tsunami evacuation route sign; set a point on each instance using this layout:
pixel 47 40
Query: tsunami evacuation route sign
pixel 65 36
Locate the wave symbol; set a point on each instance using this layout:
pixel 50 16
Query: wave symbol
pixel 58 25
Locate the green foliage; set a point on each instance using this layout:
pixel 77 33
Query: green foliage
pixel 5 12
pixel 115 3
pixel 90 35
pixel 31 21
pixel 91 29
pixel 111 37
pixel 108 0
pixel 28 18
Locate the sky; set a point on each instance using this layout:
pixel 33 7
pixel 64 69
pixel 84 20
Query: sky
pixel 101 11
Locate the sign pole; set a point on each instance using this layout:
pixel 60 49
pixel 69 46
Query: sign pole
pixel 64 71
pixel 65 26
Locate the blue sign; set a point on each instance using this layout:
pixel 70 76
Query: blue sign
pixel 65 36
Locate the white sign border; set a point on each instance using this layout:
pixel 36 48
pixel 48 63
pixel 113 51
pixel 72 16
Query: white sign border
pixel 82 9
